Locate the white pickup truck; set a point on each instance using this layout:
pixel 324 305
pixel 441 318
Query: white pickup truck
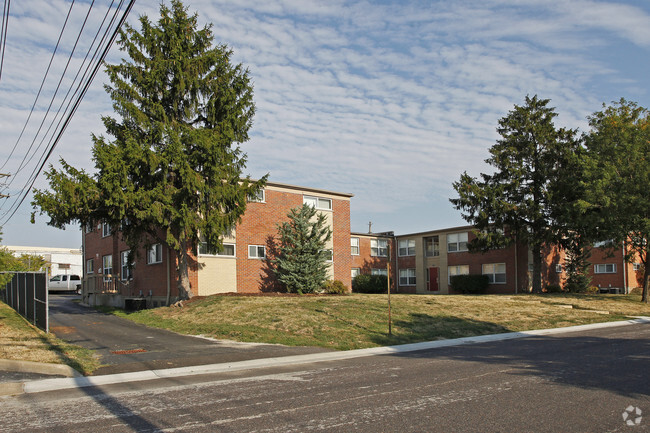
pixel 66 283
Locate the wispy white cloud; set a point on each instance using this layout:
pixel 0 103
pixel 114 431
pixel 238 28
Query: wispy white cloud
pixel 388 100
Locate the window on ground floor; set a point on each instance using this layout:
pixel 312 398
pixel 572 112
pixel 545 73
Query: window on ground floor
pixel 457 270
pixel 354 272
pixel 496 272
pixel 126 269
pixel 605 268
pixel 407 277
pixel 90 266
pixel 107 265
pixel 154 255
pixel 379 271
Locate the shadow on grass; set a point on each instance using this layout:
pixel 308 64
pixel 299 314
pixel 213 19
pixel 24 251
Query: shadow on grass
pixel 61 349
pixel 421 327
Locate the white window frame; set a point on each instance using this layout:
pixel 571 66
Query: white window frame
pixel 320 203
pixel 636 267
pixel 106 230
pixel 126 272
pixel 407 277
pixel 330 257
pixel 376 248
pixel 379 271
pixel 406 247
pixel 493 270
pixel 456 271
pixel 256 249
pixel 259 197
pixel 458 241
pixel 354 241
pixel 354 272
pixel 107 270
pixel 434 240
pixel 605 268
pixel 203 245
pixel 154 254
pixel 90 266
pixel 558 268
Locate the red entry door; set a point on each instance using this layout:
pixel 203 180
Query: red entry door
pixel 433 285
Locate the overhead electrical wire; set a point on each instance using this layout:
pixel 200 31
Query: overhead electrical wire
pixel 25 190
pixel 3 33
pixel 40 89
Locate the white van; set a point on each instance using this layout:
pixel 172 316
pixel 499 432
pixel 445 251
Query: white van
pixel 68 283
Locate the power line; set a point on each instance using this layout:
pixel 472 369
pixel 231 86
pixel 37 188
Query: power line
pixel 38 94
pixel 3 32
pixel 26 191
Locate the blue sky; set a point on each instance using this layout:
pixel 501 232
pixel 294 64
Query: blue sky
pixel 388 100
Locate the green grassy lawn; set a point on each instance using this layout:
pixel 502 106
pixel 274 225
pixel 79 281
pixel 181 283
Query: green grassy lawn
pixel 19 340
pixel 359 321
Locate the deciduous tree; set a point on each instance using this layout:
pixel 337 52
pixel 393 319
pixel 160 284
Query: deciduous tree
pixel 618 148
pixel 172 171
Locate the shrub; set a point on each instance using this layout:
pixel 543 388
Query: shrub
pixel 470 284
pixel 369 283
pixel 334 287
pixel 554 288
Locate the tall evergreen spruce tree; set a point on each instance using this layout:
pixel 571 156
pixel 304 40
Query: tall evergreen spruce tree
pixel 301 264
pixel 173 170
pixel 577 267
pixel 519 199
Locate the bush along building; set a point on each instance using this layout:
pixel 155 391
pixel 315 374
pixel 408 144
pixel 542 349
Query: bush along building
pixel 240 267
pixel 426 263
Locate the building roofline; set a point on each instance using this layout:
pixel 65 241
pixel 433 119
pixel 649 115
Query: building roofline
pixel 309 189
pixel 446 229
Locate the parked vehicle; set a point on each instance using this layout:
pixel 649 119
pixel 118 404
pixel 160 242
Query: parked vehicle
pixel 68 283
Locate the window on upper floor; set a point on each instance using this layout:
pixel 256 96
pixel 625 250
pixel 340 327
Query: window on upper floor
pixel 106 230
pixel 379 247
pixel 605 268
pixel 406 247
pixel 456 242
pixel 558 268
pixel 256 251
pixel 259 197
pixel 431 246
pixel 354 246
pixel 407 277
pixel 228 250
pixel 496 272
pixel 636 267
pixel 318 202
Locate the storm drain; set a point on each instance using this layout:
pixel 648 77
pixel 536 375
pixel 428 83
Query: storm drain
pixel 127 352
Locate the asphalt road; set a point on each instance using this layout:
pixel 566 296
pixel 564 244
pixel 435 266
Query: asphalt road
pixel 570 382
pixel 124 346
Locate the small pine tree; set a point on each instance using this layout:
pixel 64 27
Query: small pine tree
pixel 577 268
pixel 301 263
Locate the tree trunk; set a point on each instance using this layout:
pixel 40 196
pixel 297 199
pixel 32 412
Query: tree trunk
pixel 537 268
pixel 184 286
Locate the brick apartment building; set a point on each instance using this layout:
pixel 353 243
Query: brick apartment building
pixel 240 267
pixel 425 262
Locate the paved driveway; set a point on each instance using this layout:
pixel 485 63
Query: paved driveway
pixel 125 346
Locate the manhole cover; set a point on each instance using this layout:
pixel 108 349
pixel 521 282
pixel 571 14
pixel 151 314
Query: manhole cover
pixel 127 352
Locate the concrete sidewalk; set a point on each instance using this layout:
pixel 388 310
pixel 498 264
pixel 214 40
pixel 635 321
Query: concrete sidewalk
pixel 14 388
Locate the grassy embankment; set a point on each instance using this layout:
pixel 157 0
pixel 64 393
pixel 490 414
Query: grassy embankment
pixel 359 321
pixel 19 340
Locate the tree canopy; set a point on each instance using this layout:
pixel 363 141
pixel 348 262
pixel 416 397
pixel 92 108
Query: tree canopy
pixel 172 172
pixel 301 262
pixel 618 175
pixel 517 202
